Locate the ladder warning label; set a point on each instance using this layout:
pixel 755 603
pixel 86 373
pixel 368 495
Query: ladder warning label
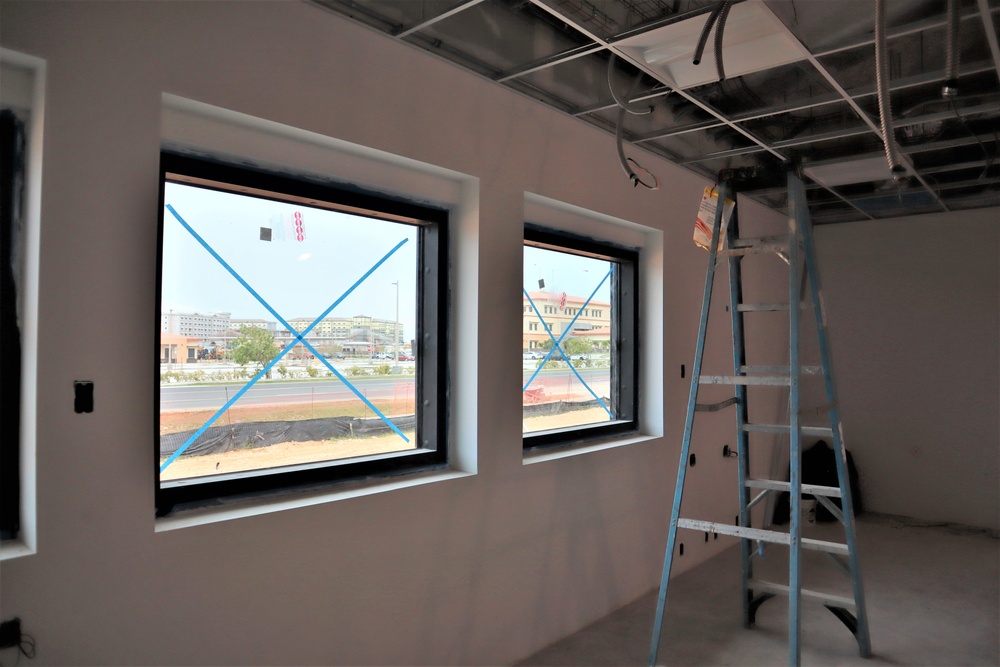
pixel 706 219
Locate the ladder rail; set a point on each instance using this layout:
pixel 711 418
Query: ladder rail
pixel 794 434
pixel 840 455
pixel 661 600
pixel 742 415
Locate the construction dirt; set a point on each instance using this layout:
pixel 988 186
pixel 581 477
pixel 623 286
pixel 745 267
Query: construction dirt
pixel 294 453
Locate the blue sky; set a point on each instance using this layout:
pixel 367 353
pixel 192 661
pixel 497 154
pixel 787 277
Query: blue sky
pixel 565 272
pixel 302 278
pixel 298 278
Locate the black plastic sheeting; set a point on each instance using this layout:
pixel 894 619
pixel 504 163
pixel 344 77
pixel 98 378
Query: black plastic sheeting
pixel 249 435
pixel 559 407
pixel 819 466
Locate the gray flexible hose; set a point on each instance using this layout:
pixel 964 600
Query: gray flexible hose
pixel 624 104
pixel 627 163
pixel 703 39
pixel 720 27
pixel 950 88
pixel 884 101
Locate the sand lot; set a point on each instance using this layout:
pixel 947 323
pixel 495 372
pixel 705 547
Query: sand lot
pixel 292 453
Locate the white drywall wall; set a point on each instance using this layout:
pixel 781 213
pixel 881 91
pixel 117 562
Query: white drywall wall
pixel 480 570
pixel 912 308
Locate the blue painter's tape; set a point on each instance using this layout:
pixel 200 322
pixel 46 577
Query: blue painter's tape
pixel 299 336
pixel 357 393
pixel 557 344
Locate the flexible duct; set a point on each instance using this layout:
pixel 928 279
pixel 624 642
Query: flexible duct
pixel 950 88
pixel 720 28
pixel 884 101
pixel 624 104
pixel 623 107
pixel 627 163
pixel 703 39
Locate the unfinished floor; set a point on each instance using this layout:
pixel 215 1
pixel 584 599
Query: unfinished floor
pixel 933 597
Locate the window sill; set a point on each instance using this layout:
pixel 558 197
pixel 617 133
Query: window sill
pixel 239 509
pixel 554 453
pixel 14 548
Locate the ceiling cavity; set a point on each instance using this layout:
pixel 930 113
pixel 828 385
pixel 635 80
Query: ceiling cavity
pixel 797 85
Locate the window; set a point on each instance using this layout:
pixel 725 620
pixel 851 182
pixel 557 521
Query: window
pixel 585 385
pixel 266 400
pixel 12 154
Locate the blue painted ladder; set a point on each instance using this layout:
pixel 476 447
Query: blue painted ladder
pixel 797 249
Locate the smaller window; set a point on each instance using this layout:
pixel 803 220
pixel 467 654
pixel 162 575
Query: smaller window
pixel 585 386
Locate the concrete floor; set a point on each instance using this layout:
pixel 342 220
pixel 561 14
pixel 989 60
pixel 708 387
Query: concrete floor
pixel 932 592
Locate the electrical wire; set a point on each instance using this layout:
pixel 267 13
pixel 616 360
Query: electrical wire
pixel 988 159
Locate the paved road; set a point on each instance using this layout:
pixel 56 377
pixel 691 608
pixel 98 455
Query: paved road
pixel 208 396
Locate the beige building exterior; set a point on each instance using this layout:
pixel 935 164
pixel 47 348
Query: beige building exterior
pixel 178 349
pixel 558 311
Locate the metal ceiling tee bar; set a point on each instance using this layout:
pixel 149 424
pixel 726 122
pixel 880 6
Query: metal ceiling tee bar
pixel 832 81
pixel 831 98
pixel 642 66
pixel 460 7
pixel 549 61
pixel 992 107
pixel 991 34
pixel 901 31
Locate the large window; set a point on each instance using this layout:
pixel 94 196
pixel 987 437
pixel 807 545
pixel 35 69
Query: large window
pixel 12 155
pixel 579 339
pixel 301 333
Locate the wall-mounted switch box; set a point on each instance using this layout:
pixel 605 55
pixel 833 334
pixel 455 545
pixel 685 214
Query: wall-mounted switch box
pixel 83 396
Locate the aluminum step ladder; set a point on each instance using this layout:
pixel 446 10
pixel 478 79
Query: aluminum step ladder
pixel 797 249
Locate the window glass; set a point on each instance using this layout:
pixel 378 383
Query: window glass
pixel 12 158
pixel 579 338
pixel 289 328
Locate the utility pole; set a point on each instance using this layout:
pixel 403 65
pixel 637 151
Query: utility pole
pixel 395 329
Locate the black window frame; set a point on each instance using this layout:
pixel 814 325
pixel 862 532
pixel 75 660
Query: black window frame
pixel 431 390
pixel 12 174
pixel 625 340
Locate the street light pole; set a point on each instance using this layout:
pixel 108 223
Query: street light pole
pixel 395 328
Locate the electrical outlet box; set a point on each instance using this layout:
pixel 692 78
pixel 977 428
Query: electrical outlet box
pixel 10 633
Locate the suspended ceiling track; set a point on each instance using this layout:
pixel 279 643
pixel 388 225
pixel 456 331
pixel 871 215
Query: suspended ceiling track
pixel 856 94
pixel 719 120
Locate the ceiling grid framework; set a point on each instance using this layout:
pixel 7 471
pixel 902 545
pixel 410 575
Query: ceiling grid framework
pixel 802 87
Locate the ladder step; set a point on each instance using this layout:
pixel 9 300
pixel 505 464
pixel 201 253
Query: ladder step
pixel 767 380
pixel 761 535
pixel 815 431
pixel 781 370
pixel 751 241
pixel 760 307
pixel 762 249
pixel 781 589
pixel 810 489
